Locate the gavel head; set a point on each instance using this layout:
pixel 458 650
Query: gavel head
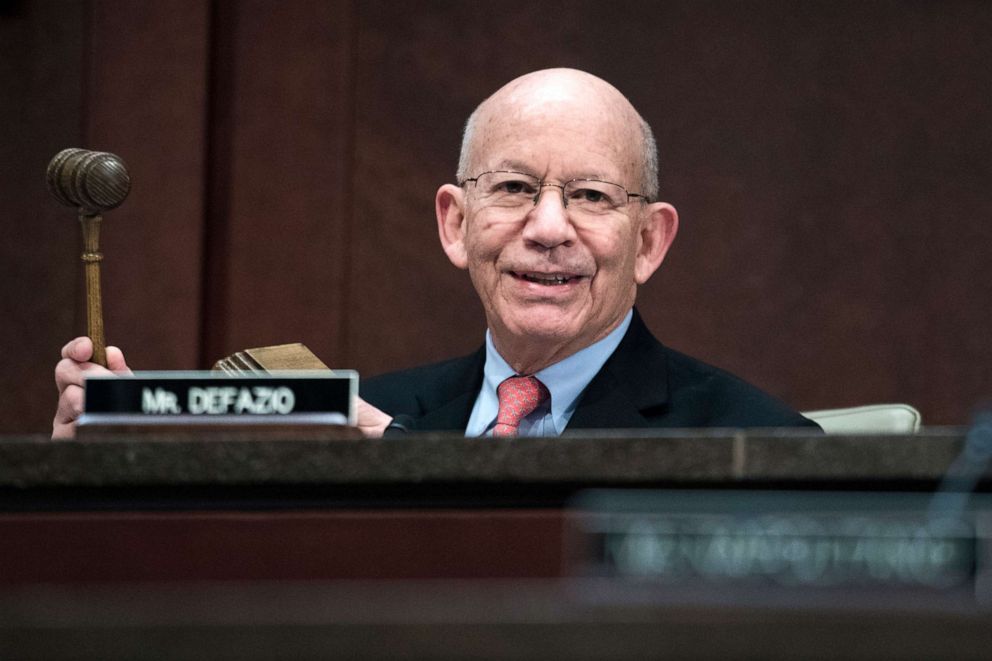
pixel 93 181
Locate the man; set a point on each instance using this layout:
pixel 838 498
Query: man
pixel 556 220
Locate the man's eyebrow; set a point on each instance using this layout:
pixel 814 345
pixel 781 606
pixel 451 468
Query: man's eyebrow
pixel 520 166
pixel 516 166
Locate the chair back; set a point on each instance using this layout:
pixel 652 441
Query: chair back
pixel 871 419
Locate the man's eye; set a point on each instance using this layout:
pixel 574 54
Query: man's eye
pixel 515 187
pixel 590 196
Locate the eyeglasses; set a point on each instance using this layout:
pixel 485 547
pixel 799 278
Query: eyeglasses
pixel 506 189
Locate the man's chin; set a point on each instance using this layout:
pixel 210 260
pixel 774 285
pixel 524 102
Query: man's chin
pixel 543 322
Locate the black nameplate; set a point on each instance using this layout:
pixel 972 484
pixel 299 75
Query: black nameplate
pixel 183 395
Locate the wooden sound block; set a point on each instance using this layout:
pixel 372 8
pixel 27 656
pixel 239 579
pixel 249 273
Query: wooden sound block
pixel 275 358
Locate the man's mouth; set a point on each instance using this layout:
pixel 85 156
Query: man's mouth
pixel 547 279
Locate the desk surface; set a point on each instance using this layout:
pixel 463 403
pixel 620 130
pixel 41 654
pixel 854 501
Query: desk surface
pixel 545 468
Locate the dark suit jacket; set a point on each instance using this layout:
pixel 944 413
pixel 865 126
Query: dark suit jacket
pixel 643 384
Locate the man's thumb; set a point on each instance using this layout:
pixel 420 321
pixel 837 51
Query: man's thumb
pixel 115 360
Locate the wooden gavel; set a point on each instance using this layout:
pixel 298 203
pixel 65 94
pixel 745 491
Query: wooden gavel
pixel 92 182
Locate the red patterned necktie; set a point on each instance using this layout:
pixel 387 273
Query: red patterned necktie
pixel 518 397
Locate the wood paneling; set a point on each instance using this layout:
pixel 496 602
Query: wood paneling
pixel 145 98
pixel 831 163
pixel 838 178
pixel 318 545
pixel 830 160
pixel 281 169
pixel 41 48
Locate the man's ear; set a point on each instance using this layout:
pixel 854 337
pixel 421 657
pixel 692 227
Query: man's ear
pixel 659 226
pixel 449 206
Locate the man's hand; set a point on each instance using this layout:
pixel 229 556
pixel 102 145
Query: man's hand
pixel 69 374
pixel 371 420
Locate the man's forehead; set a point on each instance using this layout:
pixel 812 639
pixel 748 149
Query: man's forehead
pixel 543 167
pixel 537 140
pixel 557 109
pixel 560 123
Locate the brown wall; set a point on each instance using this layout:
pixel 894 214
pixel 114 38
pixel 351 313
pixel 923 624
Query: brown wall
pixel 831 162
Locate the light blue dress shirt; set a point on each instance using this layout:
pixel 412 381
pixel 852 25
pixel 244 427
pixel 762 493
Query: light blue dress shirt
pixel 565 381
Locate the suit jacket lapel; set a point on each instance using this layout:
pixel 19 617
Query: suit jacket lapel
pixel 605 404
pixel 451 416
pixel 450 407
pixel 632 383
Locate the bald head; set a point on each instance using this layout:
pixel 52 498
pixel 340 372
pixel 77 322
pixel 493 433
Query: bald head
pixel 571 96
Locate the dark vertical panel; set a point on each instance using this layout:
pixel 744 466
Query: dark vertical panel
pixel 221 103
pixel 146 101
pixel 41 45
pixel 831 162
pixel 281 151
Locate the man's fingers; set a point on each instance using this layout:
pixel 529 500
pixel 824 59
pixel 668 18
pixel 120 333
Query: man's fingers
pixel 63 431
pixel 67 373
pixel 79 349
pixel 70 405
pixel 70 373
pixel 74 366
pixel 371 420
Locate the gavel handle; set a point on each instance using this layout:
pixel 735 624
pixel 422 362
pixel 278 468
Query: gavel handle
pixel 94 303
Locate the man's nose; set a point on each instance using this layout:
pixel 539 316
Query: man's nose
pixel 556 189
pixel 548 223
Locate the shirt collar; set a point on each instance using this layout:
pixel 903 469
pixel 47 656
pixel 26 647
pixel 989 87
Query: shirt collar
pixel 565 379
